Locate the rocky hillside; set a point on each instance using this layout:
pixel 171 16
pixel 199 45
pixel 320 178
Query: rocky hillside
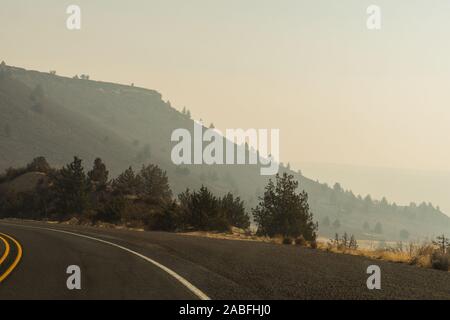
pixel 58 117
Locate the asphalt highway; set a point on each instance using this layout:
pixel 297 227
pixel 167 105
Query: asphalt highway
pixel 122 264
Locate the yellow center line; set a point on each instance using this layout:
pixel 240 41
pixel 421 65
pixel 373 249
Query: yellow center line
pixel 16 261
pixel 6 253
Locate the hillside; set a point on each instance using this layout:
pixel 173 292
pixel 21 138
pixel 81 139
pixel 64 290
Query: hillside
pixel 126 125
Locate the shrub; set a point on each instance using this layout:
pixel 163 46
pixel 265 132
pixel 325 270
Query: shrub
pixel 440 261
pixel 201 210
pixel 287 240
pixel 166 219
pixel 300 241
pixel 111 211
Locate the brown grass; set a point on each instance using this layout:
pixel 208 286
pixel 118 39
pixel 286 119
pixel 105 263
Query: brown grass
pixel 413 254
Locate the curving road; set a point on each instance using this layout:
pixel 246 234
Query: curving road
pixel 107 271
pixel 121 264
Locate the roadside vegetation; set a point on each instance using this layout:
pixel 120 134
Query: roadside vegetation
pixel 140 199
pixel 143 199
pixel 435 254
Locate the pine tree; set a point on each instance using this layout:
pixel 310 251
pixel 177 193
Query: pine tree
pixel 283 211
pixel 71 188
pixel 39 164
pixel 155 185
pixel 98 176
pixel 235 211
pixel 207 208
pixel 127 183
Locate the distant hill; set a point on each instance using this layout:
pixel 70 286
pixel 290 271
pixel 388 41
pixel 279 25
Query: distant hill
pixel 59 117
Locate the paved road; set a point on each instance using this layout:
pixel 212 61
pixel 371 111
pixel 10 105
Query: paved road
pixel 174 266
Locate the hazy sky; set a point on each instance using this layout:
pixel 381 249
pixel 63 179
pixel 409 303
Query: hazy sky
pixel 339 92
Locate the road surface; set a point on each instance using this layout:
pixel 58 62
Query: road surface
pixel 122 264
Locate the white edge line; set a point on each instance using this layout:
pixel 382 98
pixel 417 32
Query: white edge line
pixel 183 281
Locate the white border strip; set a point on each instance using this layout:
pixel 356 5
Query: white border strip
pixel 183 281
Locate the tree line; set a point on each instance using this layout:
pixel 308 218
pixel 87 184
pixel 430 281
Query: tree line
pixel 144 199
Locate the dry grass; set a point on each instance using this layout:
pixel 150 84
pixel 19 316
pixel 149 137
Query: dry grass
pixel 413 254
pixel 235 234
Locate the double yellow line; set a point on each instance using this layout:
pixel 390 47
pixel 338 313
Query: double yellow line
pixel 4 238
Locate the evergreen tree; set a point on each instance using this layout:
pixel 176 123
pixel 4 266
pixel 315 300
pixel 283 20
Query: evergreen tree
pixel 71 188
pixel 337 187
pixel 282 211
pixel 98 176
pixel 235 211
pixel 155 185
pixel 205 213
pixel 127 183
pixel 39 164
